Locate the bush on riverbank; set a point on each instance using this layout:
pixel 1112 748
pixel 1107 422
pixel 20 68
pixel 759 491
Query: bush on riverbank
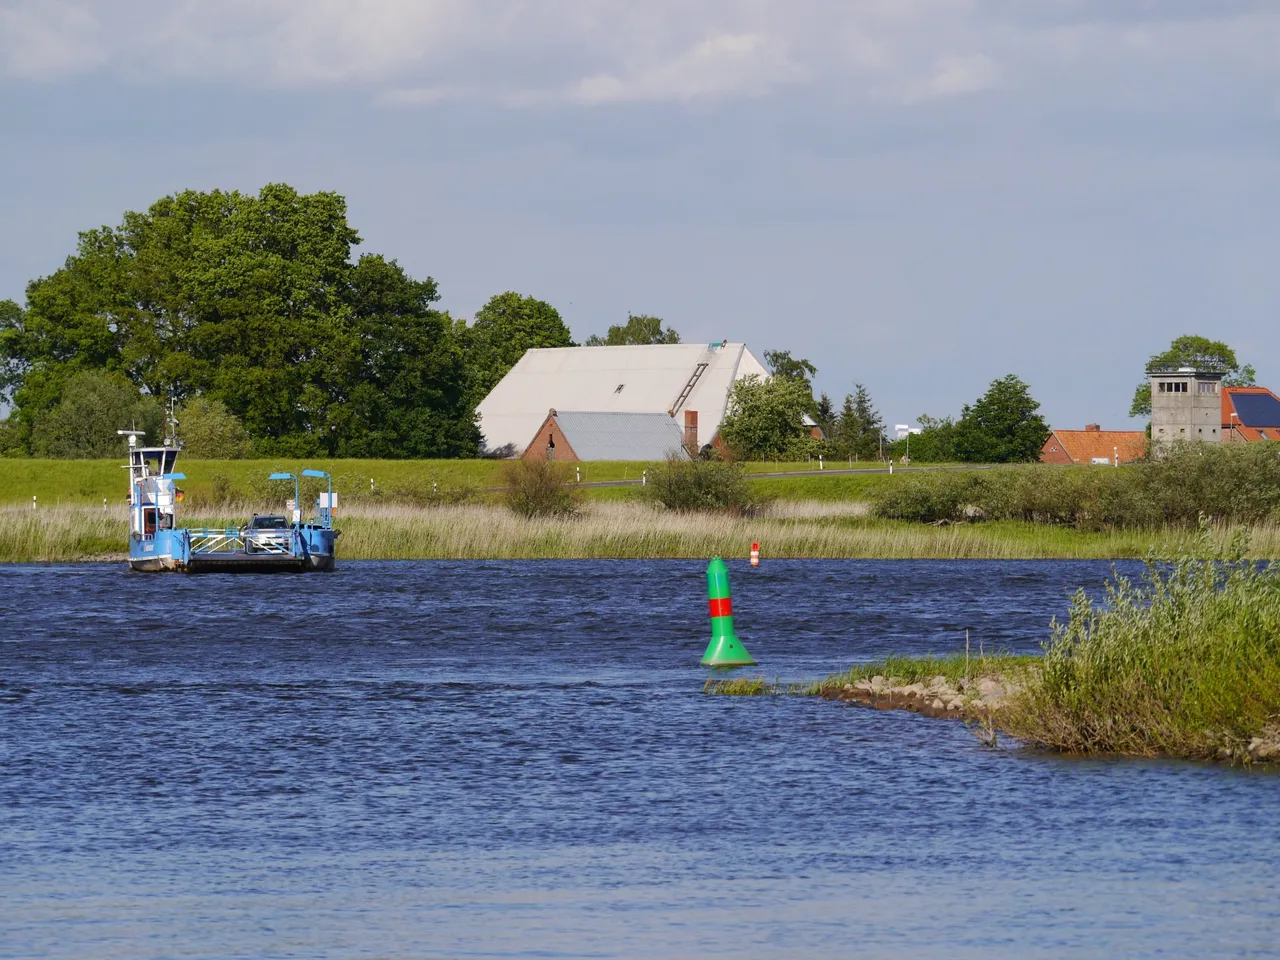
pixel 1233 483
pixel 1183 662
pixel 538 488
pixel 680 484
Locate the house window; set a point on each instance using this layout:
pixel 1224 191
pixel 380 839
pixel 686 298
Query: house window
pixel 1207 387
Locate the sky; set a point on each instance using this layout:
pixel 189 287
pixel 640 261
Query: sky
pixel 917 195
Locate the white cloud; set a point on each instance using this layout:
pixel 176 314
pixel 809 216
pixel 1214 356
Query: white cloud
pixel 591 52
pixel 42 43
pixel 720 66
pixel 954 75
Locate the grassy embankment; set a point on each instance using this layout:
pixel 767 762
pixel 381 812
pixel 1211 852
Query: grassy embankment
pixel 1183 662
pixel 422 482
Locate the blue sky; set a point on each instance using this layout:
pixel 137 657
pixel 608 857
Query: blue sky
pixel 920 195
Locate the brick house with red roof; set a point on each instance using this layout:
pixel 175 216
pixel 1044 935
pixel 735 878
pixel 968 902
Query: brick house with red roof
pixel 1094 445
pixel 1249 414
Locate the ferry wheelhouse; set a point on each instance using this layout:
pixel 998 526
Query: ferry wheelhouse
pixel 281 542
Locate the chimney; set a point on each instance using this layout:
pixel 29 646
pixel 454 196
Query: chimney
pixel 691 432
pixel 1093 428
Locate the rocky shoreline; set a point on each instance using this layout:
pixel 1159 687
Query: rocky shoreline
pixel 965 699
pixel 982 698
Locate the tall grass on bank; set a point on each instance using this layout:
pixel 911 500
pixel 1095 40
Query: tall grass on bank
pixel 1184 661
pixel 611 530
pixel 63 533
pixel 1232 483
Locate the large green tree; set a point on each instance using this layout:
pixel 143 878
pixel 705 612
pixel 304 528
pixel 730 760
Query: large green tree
pixel 1002 426
pixel 502 331
pixel 859 427
pixel 765 417
pixel 1199 352
pixel 409 394
pixel 95 404
pixel 639 329
pixel 253 302
pixel 936 442
pixel 787 367
pixel 12 332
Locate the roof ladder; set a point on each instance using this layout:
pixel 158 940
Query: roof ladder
pixel 698 371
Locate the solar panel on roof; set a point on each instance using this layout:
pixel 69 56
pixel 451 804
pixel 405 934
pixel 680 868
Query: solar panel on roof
pixel 1257 409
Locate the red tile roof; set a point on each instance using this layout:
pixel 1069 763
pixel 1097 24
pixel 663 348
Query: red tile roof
pixel 1232 427
pixel 1082 446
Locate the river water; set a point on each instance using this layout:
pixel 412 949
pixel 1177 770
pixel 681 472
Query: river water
pixel 515 760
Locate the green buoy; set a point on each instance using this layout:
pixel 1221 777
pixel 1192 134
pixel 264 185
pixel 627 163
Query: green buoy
pixel 725 649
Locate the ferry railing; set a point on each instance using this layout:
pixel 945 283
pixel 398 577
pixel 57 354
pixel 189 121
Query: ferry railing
pixel 213 540
pixel 237 540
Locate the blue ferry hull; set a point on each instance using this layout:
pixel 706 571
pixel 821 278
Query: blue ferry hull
pixel 303 550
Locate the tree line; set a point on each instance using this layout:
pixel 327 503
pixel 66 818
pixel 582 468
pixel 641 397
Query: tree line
pixel 250 313
pixel 770 419
pixel 774 419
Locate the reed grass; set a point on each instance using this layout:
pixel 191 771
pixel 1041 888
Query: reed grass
pixel 612 530
pixel 741 687
pixel 1183 661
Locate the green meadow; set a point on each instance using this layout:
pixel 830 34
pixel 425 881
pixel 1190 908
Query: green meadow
pixel 210 482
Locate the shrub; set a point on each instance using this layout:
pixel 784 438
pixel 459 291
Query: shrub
pixel 680 484
pixel 1184 661
pixel 538 488
pixel 210 431
pixel 930 497
pixel 1228 483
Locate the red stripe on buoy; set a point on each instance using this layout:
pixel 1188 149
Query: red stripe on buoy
pixel 721 606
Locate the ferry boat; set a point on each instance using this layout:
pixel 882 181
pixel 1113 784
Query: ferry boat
pixel 277 542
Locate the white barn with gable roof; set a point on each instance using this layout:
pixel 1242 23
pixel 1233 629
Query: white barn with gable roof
pixel 674 379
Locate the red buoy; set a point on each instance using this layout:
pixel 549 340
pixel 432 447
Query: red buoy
pixel 755 554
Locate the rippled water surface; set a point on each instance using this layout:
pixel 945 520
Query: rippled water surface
pixel 498 759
